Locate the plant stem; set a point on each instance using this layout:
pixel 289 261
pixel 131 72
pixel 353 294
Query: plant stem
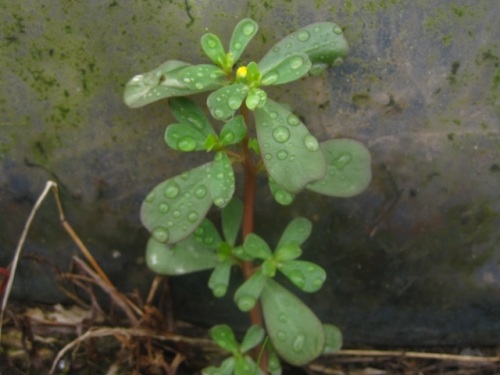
pixel 247 227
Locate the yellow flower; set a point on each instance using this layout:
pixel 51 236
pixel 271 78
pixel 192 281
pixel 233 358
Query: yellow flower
pixel 241 73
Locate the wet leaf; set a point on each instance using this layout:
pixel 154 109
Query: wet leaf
pixel 248 293
pixel 202 77
pixel 243 33
pixel 233 132
pixel 290 153
pixel 226 368
pixel 187 112
pixel 185 257
pixel 256 247
pixel 287 252
pixel 295 331
pixel 323 42
pixel 287 70
pixel 224 102
pixel 280 195
pixel 213 48
pixel 232 215
pixel 273 361
pixel 185 138
pixel 253 337
pixel 334 339
pixel 256 98
pixel 307 276
pixel 219 278
pixel 348 171
pixel 223 335
pixel 207 234
pixel 296 232
pixel 175 207
pixel 221 182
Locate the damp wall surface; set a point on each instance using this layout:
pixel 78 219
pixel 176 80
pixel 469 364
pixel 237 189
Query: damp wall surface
pixel 414 260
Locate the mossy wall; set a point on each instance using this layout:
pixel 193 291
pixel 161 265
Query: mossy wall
pixel 413 259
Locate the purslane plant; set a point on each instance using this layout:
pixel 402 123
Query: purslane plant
pixel 273 142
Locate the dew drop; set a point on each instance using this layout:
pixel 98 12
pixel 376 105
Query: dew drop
pixel 298 342
pixel 342 160
pixel 219 290
pixel 163 208
pixel 281 335
pixel 186 144
pixel 208 240
pixel 150 197
pixel 245 303
pixel 318 282
pixel 268 156
pixel 201 192
pixel 185 176
pixel 337 30
pixel 276 49
pixel 281 134
pixel 192 216
pixel 234 103
pixel 199 85
pixel 296 62
pixel 228 137
pixel 237 45
pixel 292 120
pixel 311 143
pixel 220 201
pixel 160 234
pixel 176 214
pixel 248 29
pixel 317 29
pixel 195 121
pixel 283 318
pixel 219 114
pixel 288 45
pixel 172 190
pixel 211 43
pixel 297 277
pixel 270 78
pixel 303 36
pixel 199 231
pixel 252 101
pixel 282 197
pixel 273 115
pixel 282 154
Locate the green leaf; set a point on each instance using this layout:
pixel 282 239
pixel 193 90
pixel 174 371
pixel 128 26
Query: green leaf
pixel 189 113
pixel 290 153
pixel 226 100
pixel 175 207
pixel 256 98
pixel 185 257
pixel 247 294
pixel 221 182
pixel 349 168
pixel 334 339
pixel 202 77
pixel 162 82
pixel 296 232
pixel 232 215
pixel 243 33
pixel 280 195
pixel 246 366
pixel 213 48
pixel 323 42
pixel 233 132
pixel 307 276
pixel 295 332
pixel 185 138
pixel 289 69
pixel 256 247
pixel 226 368
pixel 287 252
pixel 219 279
pixel 253 337
pixel 223 335
pixel 207 234
pixel 273 361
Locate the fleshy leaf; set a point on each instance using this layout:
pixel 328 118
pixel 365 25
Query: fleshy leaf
pixel 187 112
pixel 280 195
pixel 246 366
pixel 185 138
pixel 221 180
pixel 232 215
pixel 226 100
pixel 290 153
pixel 247 294
pixel 289 69
pixel 295 331
pixel 219 279
pixel 273 361
pixel 256 247
pixel 243 33
pixel 348 171
pixel 185 257
pixel 287 252
pixel 207 234
pixel 213 48
pixel 256 98
pixel 253 337
pixel 223 335
pixel 296 232
pixel 226 368
pixel 175 207
pixel 334 339
pixel 307 276
pixel 162 82
pixel 233 132
pixel 202 77
pixel 323 42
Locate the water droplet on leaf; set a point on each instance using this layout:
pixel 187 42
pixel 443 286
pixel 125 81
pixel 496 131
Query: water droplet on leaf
pixel 199 85
pixel 298 342
pixel 337 30
pixel 296 62
pixel 150 197
pixel 201 192
pixel 311 143
pixel 281 134
pixel 297 277
pixel 176 214
pixel 192 216
pixel 219 290
pixel 282 154
pixel 248 29
pixel 281 335
pixel 245 303
pixel 160 234
pixel 164 208
pixel 186 144
pixel 283 318
pixel 270 78
pixel 234 103
pixel 303 36
pixel 172 190
pixel 342 160
pixel 293 120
